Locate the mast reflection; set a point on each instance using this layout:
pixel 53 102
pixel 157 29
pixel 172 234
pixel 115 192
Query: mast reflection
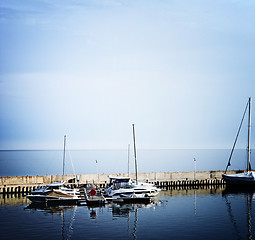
pixel 231 194
pixel 67 222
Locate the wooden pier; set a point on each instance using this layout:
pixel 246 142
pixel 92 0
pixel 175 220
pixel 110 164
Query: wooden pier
pixel 92 197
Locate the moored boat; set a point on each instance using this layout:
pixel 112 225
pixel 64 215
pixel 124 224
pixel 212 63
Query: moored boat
pixel 124 186
pixel 120 186
pixel 55 192
pixel 245 178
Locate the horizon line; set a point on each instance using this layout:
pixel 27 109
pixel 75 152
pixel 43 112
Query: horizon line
pixel 110 149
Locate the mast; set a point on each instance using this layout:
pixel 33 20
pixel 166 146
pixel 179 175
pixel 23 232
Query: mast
pixel 135 154
pixel 249 138
pixel 64 156
pixel 128 157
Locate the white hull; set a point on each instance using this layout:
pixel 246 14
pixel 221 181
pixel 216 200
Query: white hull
pixel 141 190
pixel 54 192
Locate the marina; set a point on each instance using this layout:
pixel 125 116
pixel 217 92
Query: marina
pixel 97 194
pixel 152 205
pixel 158 204
pixel 127 120
pixel 25 184
pixel 127 193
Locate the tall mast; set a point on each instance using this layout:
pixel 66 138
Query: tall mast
pixel 64 156
pixel 128 157
pixel 249 138
pixel 135 154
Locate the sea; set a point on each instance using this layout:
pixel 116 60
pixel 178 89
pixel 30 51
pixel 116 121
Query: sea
pixel 212 213
pixel 196 213
pixel 50 162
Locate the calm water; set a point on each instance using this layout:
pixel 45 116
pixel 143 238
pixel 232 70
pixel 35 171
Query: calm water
pixel 22 163
pixel 178 214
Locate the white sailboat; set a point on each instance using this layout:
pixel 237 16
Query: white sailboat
pixel 248 177
pixel 126 187
pixel 55 192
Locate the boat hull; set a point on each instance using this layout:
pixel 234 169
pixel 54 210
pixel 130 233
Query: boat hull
pixel 138 192
pixel 240 179
pixel 52 200
pixel 124 200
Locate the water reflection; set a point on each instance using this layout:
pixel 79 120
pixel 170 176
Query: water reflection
pixel 14 199
pixel 209 214
pixel 49 209
pixel 124 210
pixel 130 211
pixel 117 210
pixel 230 194
pixel 67 221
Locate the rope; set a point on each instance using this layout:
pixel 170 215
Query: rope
pixel 236 138
pixel 69 153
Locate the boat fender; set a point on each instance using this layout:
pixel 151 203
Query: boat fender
pixel 93 192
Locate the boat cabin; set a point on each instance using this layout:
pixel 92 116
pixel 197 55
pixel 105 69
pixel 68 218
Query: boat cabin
pixel 120 182
pixel 55 185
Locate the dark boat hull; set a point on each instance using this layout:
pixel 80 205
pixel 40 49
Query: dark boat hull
pixel 238 181
pixel 52 200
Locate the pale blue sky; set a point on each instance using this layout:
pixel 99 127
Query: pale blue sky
pixel 182 71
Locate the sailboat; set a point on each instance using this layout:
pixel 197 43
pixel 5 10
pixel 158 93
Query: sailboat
pixel 56 193
pixel 248 177
pixel 125 187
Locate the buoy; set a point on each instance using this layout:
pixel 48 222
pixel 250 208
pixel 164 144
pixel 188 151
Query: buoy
pixel 93 192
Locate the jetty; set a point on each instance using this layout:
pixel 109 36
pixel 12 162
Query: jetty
pixel 91 197
pixel 164 180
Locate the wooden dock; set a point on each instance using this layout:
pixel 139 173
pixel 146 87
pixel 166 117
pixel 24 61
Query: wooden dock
pixel 91 197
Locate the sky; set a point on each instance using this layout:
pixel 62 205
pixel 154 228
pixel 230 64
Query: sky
pixel 181 71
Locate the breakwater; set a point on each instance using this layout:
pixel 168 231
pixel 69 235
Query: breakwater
pixel 24 184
